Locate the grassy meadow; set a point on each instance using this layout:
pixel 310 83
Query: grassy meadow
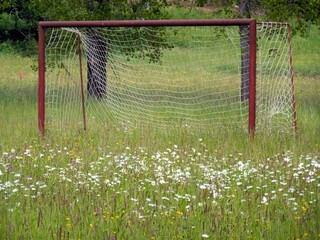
pixel 149 184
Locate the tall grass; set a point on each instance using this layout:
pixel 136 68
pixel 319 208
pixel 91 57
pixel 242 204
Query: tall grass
pixel 82 191
pixel 307 52
pixel 144 184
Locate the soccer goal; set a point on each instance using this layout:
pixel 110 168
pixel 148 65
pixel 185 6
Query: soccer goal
pixel 200 74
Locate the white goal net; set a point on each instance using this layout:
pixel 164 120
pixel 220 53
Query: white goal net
pixel 166 77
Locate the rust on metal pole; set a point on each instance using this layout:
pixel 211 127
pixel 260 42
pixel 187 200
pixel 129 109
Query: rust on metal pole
pixel 41 80
pixel 252 77
pixel 146 23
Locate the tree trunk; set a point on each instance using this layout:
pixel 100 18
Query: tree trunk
pixel 97 66
pixel 244 12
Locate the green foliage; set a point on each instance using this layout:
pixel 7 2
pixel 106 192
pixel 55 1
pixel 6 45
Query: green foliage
pixel 94 9
pixel 20 17
pixel 12 27
pixel 200 3
pixel 30 12
pixel 176 12
pixel 300 14
pixel 6 47
pixel 24 47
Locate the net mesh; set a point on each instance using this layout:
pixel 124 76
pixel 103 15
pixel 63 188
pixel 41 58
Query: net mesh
pixel 275 97
pixel 165 77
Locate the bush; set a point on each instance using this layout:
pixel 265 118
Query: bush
pixel 24 48
pixel 6 47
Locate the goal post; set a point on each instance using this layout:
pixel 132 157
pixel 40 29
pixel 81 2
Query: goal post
pixel 143 58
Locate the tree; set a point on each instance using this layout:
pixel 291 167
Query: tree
pixel 32 11
pixel 15 22
pixel 104 10
pixel 299 13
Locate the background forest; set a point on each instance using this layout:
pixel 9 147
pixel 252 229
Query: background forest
pixel 19 18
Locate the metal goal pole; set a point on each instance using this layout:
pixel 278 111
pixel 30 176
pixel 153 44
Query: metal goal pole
pixel 41 80
pixel 252 77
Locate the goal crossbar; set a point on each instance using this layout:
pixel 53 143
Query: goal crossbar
pixel 147 23
pixel 251 23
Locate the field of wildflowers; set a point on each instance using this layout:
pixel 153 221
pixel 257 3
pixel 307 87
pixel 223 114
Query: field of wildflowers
pixel 88 192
